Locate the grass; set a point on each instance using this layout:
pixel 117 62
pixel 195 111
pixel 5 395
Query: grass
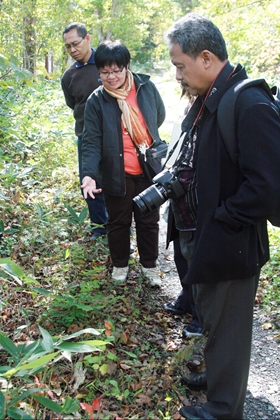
pixel 270 277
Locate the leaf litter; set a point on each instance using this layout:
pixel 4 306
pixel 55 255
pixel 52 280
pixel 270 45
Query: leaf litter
pixel 139 375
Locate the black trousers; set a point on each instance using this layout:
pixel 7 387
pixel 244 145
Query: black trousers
pixel 225 310
pixel 120 212
pixel 185 298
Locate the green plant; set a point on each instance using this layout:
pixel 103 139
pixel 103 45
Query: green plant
pixel 8 269
pixel 9 407
pixel 7 243
pixel 167 414
pixel 30 358
pixel 270 275
pixel 114 390
pixel 67 308
pixel 99 362
pixel 25 360
pixel 76 218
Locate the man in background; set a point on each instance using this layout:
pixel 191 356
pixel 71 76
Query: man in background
pixel 78 82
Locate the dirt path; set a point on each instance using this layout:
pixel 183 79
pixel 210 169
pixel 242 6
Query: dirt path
pixel 263 394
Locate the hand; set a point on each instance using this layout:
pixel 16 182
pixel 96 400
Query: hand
pixel 89 187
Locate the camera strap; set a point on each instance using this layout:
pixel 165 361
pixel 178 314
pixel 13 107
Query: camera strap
pixel 173 149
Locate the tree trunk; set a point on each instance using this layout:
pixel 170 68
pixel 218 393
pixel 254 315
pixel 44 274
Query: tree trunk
pixel 29 39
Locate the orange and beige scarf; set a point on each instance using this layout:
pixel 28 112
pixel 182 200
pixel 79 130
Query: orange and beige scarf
pixel 130 116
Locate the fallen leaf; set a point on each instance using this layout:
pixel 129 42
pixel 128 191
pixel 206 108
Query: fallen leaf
pixel 143 356
pixel 74 328
pixel 96 402
pixel 133 340
pixel 111 368
pixel 78 377
pixel 87 407
pixel 109 328
pixel 108 325
pixel 144 399
pixel 124 366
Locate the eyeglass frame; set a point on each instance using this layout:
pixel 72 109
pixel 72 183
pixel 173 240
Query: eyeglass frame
pixel 72 45
pixel 106 74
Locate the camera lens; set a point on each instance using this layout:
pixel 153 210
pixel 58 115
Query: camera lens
pixel 150 199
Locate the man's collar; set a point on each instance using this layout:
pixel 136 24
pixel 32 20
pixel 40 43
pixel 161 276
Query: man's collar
pixel 90 61
pixel 227 77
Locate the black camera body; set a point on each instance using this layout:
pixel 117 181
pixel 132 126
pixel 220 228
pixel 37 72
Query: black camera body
pixel 166 186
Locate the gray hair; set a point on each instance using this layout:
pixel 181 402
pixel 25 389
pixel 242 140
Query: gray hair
pixel 81 29
pixel 195 33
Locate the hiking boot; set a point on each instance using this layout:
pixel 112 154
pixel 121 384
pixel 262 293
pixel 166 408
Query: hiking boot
pixel 152 275
pixel 119 273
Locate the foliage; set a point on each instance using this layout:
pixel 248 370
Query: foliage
pixel 33 132
pixel 37 26
pixel 31 29
pixel 270 279
pixel 29 359
pixel 245 23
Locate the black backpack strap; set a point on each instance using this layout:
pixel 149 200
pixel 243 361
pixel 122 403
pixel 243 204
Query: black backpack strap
pixel 275 90
pixel 226 113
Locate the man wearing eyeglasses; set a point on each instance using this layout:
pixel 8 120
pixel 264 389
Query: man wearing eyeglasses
pixel 78 82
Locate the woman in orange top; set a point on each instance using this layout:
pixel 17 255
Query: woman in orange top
pixel 123 113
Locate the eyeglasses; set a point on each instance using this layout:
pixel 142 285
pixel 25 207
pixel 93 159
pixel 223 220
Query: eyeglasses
pixel 106 74
pixel 73 44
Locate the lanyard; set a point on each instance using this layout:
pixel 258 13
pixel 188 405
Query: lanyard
pixel 197 120
pixel 210 91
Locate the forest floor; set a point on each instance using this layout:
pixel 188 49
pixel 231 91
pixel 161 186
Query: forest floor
pixel 147 355
pixel 263 393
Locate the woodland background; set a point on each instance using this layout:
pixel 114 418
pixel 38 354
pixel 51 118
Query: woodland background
pixel 70 346
pixel 30 29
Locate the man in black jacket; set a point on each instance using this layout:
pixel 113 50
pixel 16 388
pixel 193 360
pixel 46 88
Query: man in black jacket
pixel 78 82
pixel 222 217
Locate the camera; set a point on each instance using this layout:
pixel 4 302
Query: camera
pixel 166 186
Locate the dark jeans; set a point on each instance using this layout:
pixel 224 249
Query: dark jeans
pixel 120 211
pixel 185 298
pixel 96 207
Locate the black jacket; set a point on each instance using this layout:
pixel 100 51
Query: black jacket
pixel 234 200
pixel 77 83
pixel 102 137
